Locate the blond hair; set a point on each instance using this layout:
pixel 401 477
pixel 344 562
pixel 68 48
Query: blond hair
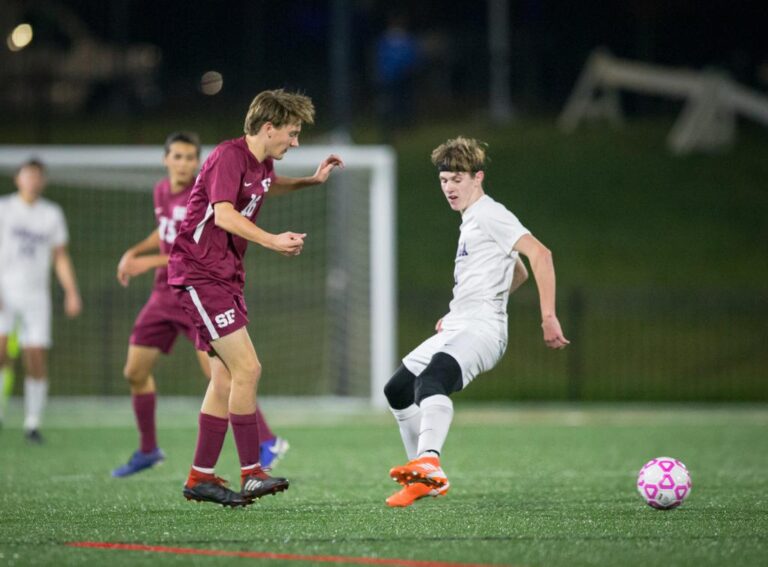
pixel 460 154
pixel 280 108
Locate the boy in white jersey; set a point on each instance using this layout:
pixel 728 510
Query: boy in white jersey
pixel 472 337
pixel 33 235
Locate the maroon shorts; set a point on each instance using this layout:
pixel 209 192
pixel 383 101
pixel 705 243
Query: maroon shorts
pixel 214 309
pixel 160 321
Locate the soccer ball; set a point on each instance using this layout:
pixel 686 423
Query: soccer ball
pixel 664 483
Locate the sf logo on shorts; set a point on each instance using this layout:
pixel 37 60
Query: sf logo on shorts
pixel 225 319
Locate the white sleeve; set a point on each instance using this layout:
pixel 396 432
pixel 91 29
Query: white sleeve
pixel 59 233
pixel 503 227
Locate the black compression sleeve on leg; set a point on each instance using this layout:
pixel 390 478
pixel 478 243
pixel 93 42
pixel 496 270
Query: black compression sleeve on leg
pixel 399 389
pixel 442 376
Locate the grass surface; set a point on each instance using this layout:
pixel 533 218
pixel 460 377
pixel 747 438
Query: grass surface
pixel 531 485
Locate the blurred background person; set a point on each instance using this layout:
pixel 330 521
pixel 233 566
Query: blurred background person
pixel 397 60
pixel 33 235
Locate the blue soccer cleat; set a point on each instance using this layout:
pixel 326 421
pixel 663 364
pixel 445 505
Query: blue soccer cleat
pixel 270 452
pixel 138 462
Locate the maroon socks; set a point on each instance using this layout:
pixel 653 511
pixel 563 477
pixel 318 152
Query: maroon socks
pixel 246 431
pixel 210 440
pixel 265 433
pixel 144 409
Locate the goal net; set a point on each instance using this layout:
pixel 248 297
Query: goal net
pixel 323 323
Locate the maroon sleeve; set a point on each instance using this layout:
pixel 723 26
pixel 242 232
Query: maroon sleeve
pixel 224 176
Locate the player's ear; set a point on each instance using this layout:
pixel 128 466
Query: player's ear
pixel 479 176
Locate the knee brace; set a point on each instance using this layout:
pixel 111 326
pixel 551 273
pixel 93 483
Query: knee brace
pixel 442 376
pixel 399 389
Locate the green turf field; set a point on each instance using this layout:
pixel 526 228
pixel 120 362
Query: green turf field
pixel 531 486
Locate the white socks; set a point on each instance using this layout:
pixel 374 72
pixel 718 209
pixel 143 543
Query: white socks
pixel 35 396
pixel 409 421
pixel 436 417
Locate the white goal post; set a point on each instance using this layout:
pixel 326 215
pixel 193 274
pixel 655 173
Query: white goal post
pixel 374 311
pixel 712 99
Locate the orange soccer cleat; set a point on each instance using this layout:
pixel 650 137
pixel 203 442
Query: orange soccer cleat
pixel 425 470
pixel 410 493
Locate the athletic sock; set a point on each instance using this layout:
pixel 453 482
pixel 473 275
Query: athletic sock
pixel 409 422
pixel 196 476
pixel 144 408
pixel 436 416
pixel 265 433
pixel 246 431
pixel 210 439
pixel 35 396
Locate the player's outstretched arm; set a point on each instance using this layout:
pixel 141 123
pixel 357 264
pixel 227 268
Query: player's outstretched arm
pixel 65 273
pixel 283 185
pixel 135 261
pixel 227 218
pixel 543 269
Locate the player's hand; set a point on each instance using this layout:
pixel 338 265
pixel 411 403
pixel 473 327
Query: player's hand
pixel 553 334
pixel 73 305
pixel 131 266
pixel 439 325
pixel 123 273
pixel 325 168
pixel 288 243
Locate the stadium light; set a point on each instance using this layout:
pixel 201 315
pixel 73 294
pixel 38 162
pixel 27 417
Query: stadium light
pixel 20 37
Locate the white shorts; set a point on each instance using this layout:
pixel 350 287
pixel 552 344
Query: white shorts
pixel 29 315
pixel 476 351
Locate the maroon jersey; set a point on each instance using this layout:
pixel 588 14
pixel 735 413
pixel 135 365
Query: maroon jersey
pixel 170 211
pixel 202 251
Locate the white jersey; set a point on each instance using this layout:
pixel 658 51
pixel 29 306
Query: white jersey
pixel 28 235
pixel 485 264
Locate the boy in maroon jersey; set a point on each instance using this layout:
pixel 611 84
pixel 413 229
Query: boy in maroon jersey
pixel 205 271
pixel 162 320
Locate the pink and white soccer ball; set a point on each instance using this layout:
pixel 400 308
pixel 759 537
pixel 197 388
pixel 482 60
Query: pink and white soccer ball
pixel 664 483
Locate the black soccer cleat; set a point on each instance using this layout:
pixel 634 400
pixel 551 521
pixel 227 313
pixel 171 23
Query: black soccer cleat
pixel 258 484
pixel 215 491
pixel 34 436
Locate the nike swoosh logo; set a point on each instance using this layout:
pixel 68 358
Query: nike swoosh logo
pixel 247 184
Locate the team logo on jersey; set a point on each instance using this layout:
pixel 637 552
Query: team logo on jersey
pixel 27 240
pixel 265 183
pixel 462 251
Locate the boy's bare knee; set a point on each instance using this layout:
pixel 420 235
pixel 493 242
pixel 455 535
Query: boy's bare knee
pixel 248 375
pixel 135 376
pixel 221 387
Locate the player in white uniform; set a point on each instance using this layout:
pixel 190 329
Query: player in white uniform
pixel 472 337
pixel 33 235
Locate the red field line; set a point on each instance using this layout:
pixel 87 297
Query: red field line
pixel 268 555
